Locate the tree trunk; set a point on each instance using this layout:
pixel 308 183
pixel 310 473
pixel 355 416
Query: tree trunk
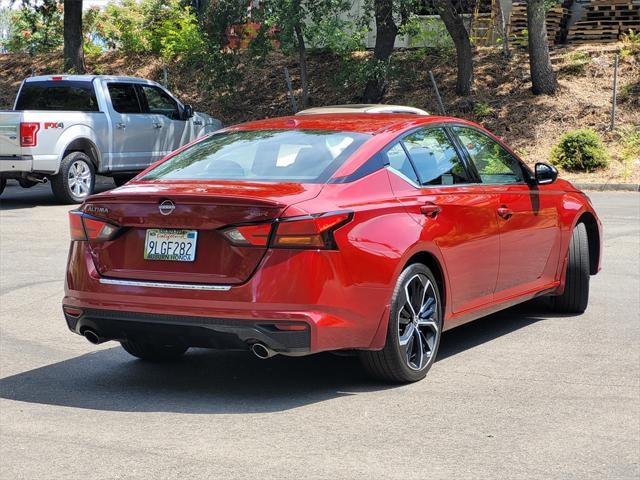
pixel 543 78
pixel 464 54
pixel 302 58
pixel 386 31
pixel 73 54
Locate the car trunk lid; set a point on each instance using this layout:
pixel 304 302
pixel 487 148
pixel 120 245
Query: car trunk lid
pixel 204 208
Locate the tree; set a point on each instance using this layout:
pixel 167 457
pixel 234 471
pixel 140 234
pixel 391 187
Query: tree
pixel 386 31
pixel 543 78
pixel 73 54
pixel 452 16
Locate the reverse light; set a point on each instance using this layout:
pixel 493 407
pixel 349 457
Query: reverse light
pixel 29 134
pixel 309 231
pixel 249 235
pixel 84 227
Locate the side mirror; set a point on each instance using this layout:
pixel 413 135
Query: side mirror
pixel 188 111
pixel 545 173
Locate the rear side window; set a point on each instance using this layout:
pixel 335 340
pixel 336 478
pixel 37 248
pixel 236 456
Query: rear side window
pixel 398 160
pixel 435 157
pixel 299 156
pixel 160 103
pixel 124 98
pixel 57 95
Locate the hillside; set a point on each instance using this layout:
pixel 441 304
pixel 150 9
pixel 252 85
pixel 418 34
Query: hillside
pixel 502 100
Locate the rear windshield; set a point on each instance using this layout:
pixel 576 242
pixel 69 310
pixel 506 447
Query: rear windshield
pixel 301 156
pixel 58 95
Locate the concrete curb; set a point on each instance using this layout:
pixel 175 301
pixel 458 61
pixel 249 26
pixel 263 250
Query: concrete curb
pixel 610 187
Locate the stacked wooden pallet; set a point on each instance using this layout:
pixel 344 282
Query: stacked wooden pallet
pixel 518 23
pixel 605 21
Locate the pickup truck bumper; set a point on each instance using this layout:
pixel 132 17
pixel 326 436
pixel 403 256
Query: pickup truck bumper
pixel 37 163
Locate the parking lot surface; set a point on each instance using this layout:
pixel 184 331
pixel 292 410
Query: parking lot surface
pixel 520 394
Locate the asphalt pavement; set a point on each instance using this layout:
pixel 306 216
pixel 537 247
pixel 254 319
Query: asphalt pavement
pixel 520 394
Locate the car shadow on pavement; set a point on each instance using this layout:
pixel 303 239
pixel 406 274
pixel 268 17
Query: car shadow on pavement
pixel 211 382
pixel 15 197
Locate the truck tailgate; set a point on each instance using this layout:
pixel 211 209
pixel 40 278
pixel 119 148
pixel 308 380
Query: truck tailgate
pixel 10 133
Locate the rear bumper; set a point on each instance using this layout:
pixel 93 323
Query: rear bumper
pixel 310 288
pixel 27 163
pixel 205 332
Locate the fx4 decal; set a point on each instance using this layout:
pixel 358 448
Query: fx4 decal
pixel 48 125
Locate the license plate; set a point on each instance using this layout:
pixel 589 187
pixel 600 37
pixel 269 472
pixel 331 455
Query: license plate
pixel 171 245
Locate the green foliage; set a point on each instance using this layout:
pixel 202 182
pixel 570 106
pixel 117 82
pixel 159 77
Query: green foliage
pixel 580 150
pixel 36 28
pixel 429 35
pixel 164 27
pixel 630 44
pixel 482 110
pixel 575 63
pixel 630 140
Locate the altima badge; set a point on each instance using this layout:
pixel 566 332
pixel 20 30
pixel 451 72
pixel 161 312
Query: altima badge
pixel 167 207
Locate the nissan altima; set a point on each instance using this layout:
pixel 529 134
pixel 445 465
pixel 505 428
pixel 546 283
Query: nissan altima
pixel 361 232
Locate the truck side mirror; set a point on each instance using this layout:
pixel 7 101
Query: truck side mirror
pixel 188 111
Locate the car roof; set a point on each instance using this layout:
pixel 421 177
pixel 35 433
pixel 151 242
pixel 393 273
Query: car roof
pixel 363 108
pixel 369 123
pixel 86 78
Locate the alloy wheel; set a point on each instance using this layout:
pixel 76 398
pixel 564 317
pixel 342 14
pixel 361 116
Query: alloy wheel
pixel 418 326
pixel 79 179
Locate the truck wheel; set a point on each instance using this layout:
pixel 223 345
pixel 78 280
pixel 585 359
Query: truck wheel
pixel 75 180
pixel 3 183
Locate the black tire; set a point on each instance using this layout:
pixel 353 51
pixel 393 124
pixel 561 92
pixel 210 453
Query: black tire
pixel 392 363
pixel 61 185
pixel 24 183
pixel 120 180
pixel 153 352
pixel 576 290
pixel 3 183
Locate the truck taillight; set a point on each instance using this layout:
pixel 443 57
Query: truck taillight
pixel 84 227
pixel 309 231
pixel 29 134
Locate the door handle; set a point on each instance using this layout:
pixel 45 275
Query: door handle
pixel 430 210
pixel 157 125
pixel 505 212
pixel 121 125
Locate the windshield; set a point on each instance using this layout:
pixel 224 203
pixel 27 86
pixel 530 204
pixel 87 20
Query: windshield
pixel 302 156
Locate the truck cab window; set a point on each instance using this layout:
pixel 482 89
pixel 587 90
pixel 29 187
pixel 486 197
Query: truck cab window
pixel 160 103
pixel 124 98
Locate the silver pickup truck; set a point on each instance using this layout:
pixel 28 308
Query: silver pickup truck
pixel 68 128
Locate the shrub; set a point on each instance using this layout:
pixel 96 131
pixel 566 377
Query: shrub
pixel 575 63
pixel 482 110
pixel 580 150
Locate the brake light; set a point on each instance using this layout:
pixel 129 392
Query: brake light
pixel 309 231
pixel 314 231
pixel 84 227
pixel 29 134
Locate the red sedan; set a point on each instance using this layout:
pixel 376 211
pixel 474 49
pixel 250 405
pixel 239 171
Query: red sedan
pixel 323 232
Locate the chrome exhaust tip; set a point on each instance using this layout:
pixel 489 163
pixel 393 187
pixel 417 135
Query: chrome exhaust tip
pixel 93 337
pixel 261 351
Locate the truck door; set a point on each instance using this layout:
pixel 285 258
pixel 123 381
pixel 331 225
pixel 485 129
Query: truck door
pixel 134 136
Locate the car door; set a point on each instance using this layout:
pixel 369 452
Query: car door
pixel 430 178
pixel 166 115
pixel 528 216
pixel 133 133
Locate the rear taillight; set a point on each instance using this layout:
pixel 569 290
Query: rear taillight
pixel 29 134
pixel 84 227
pixel 310 231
